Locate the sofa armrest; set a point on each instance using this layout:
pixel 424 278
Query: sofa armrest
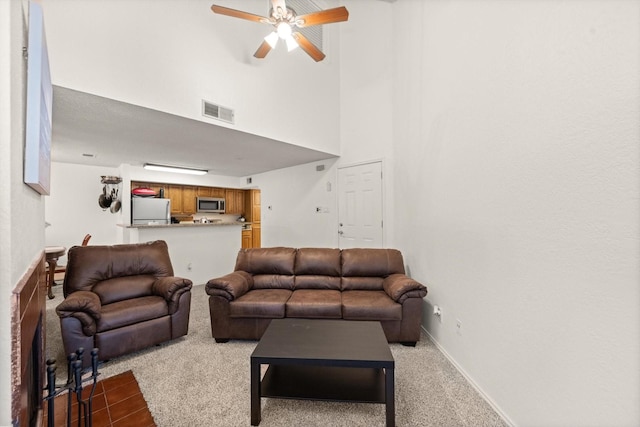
pixel 170 288
pixel 231 286
pixel 84 306
pixel 400 287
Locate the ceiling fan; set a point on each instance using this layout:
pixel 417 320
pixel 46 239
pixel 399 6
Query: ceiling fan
pixel 285 20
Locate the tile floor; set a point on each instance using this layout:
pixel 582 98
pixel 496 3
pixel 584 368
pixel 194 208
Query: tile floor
pixel 117 402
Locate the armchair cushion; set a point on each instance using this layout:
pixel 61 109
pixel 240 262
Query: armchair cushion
pixel 169 287
pixel 131 311
pixel 81 301
pixel 84 306
pixel 123 288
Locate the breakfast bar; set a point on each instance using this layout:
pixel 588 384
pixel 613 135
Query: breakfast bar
pixel 199 251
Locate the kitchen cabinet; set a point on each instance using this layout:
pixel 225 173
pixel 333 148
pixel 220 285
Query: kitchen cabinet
pixel 252 205
pixel 211 192
pixel 174 193
pixel 235 201
pixel 189 194
pixel 183 198
pixel 217 192
pixel 247 239
pixel 204 191
pixel 256 235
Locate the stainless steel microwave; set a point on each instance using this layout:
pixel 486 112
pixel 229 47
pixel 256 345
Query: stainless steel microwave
pixel 210 204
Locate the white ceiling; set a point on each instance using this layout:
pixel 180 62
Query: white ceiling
pixel 116 132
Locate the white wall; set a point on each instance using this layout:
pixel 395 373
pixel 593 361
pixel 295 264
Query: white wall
pixel 517 133
pixel 72 207
pixel 289 198
pixel 125 51
pixel 22 210
pixel 366 88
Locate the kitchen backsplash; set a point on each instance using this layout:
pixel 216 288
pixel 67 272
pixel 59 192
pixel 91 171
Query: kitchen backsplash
pixel 214 216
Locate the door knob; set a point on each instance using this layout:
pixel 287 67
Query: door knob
pixel 340 232
pixel 340 224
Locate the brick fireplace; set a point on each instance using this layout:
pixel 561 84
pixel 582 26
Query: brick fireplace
pixel 28 346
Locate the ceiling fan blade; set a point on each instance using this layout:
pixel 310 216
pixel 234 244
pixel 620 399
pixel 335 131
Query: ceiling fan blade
pixel 239 14
pixel 308 47
pixel 262 50
pixel 328 16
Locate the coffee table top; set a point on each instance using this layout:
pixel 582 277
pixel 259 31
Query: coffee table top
pixel 324 342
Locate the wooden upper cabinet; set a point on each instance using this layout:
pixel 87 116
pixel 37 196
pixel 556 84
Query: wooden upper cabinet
pixel 189 194
pixel 235 201
pixel 183 198
pixel 174 193
pixel 204 191
pixel 218 192
pixel 211 192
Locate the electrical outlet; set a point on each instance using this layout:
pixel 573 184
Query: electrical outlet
pixel 458 326
pixel 437 311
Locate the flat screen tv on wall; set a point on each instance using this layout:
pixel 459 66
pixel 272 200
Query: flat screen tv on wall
pixel 37 152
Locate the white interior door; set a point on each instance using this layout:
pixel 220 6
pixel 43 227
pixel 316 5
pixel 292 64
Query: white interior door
pixel 360 206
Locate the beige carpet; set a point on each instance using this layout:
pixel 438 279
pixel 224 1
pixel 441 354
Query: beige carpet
pixel 193 381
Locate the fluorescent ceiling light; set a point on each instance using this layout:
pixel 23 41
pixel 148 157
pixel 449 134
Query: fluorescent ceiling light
pixel 164 168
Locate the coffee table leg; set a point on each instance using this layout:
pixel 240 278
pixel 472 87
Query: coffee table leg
pixel 390 396
pixel 255 393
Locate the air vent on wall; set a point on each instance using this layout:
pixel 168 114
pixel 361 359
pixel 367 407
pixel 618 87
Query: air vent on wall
pixel 218 112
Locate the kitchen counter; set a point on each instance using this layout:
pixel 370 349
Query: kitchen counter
pixel 185 224
pixel 198 251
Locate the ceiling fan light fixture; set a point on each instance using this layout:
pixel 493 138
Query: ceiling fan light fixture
pixel 272 39
pixel 291 43
pixel 284 30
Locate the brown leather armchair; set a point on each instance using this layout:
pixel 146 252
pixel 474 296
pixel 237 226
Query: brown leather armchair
pixel 121 299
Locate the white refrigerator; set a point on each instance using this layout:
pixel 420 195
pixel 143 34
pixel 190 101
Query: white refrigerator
pixel 150 211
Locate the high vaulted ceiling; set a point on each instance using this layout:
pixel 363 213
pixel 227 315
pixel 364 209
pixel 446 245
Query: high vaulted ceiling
pixel 127 89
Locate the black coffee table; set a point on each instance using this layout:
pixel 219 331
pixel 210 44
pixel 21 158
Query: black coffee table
pixel 334 360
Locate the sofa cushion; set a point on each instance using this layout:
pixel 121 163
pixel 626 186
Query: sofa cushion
pixel 122 288
pixel 273 281
pixel 265 303
pixel 371 262
pixel 317 282
pixel 266 261
pixel 369 305
pixel 315 304
pixel 318 261
pixel 362 283
pixel 131 311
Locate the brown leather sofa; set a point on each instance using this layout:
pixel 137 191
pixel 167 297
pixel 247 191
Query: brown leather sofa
pixel 121 299
pixel 319 283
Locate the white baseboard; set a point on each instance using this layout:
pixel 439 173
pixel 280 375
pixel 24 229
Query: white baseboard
pixel 491 403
